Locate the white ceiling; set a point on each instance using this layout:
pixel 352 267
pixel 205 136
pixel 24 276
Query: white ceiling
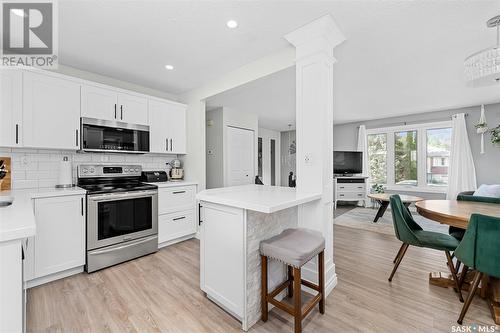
pixel 400 57
pixel 272 98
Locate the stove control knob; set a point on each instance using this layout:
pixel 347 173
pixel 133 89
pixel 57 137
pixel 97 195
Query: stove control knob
pixel 126 169
pixel 85 170
pixel 136 169
pixel 92 170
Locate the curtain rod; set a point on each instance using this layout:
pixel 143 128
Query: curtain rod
pixel 404 123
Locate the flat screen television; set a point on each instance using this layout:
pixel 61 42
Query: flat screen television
pixel 347 162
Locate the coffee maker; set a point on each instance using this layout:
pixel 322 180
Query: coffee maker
pixel 176 173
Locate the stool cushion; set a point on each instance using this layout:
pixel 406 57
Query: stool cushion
pixel 294 247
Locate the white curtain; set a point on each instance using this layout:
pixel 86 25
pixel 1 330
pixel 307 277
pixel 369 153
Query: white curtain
pixel 461 171
pixel 363 147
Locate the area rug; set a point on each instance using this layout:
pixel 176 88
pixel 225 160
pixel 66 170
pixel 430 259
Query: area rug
pixel 362 218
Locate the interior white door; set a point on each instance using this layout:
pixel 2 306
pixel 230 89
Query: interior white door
pixel 51 112
pixel 99 103
pixel 11 86
pixel 240 156
pixel 133 109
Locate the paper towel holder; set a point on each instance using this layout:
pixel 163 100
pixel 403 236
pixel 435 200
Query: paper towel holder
pixel 63 183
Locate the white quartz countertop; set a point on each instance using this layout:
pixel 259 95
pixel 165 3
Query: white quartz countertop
pixel 173 183
pixel 18 220
pixel 260 198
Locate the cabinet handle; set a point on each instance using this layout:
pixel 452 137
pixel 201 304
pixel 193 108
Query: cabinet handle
pixel 17 134
pixel 121 112
pixel 342 187
pixel 178 192
pixel 179 218
pixel 77 138
pixel 166 144
pixel 170 144
pixel 199 214
pixel 115 110
pixel 81 204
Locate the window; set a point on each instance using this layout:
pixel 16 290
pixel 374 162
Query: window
pixel 405 158
pixel 377 158
pixel 438 156
pixel 411 156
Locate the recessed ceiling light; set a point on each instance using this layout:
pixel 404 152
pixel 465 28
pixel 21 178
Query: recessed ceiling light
pixel 169 67
pixel 232 24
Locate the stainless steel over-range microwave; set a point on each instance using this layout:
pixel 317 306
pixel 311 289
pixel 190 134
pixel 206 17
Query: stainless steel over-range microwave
pixel 113 136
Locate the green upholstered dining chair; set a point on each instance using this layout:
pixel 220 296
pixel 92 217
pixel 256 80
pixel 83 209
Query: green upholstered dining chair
pixel 410 233
pixel 479 250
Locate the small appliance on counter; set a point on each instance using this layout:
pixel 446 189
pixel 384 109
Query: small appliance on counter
pixel 65 174
pixel 154 176
pixel 5 173
pixel 176 173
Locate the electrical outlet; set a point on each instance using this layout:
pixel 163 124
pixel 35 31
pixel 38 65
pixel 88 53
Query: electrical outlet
pixel 210 152
pixel 24 161
pixel 308 159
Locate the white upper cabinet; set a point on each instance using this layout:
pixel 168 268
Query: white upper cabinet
pixel 99 103
pixel 51 112
pixel 167 127
pixel 108 104
pixel 133 109
pixel 11 86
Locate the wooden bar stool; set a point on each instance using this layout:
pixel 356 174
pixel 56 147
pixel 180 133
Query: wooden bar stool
pixel 294 247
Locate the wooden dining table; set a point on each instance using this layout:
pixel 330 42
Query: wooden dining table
pixel 457 214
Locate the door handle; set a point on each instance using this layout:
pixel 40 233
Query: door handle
pixel 178 192
pixel 170 144
pixel 121 112
pixel 81 203
pixel 199 214
pixel 115 110
pixel 17 134
pixel 77 138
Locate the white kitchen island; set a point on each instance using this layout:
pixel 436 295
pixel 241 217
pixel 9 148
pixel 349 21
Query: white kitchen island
pixel 233 221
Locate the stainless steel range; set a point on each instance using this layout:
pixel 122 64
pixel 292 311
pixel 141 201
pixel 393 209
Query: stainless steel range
pixel 122 214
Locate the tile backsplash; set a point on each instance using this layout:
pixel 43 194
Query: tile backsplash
pixel 33 168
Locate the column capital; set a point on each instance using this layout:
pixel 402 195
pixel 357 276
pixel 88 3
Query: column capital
pixel 319 36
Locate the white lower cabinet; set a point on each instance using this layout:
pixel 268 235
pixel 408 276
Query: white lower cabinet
pixel 59 243
pixel 177 214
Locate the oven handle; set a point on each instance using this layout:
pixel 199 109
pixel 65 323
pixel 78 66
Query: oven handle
pixel 129 244
pixel 124 195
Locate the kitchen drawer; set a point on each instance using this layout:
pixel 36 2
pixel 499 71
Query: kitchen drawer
pixel 174 199
pixel 351 195
pixel 350 187
pixel 176 225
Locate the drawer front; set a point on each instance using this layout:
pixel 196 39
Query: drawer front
pixel 176 225
pixel 175 199
pixel 351 196
pixel 350 187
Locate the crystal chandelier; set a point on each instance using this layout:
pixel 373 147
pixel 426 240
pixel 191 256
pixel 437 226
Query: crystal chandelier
pixel 483 68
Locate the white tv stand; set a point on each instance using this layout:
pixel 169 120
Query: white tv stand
pixel 350 188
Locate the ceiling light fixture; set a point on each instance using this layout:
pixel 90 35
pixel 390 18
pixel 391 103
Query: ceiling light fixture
pixel 483 68
pixel 169 67
pixel 231 24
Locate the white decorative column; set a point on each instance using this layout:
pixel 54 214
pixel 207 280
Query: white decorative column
pixel 314 44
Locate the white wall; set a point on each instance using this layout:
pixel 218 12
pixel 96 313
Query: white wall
pixel 267 135
pixel 216 140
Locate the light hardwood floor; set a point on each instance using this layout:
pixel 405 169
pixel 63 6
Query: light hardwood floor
pixel 160 293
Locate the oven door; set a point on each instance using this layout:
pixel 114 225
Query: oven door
pixel 118 217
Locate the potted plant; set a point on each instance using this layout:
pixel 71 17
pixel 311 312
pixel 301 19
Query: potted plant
pixel 481 127
pixel 495 136
pixel 377 188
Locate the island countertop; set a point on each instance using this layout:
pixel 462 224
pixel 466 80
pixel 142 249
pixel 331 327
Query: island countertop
pixel 260 198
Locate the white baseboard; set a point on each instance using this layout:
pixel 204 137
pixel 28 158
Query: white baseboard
pixel 53 277
pixel 174 241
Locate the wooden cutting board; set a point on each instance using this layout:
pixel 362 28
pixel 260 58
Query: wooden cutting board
pixel 6 182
